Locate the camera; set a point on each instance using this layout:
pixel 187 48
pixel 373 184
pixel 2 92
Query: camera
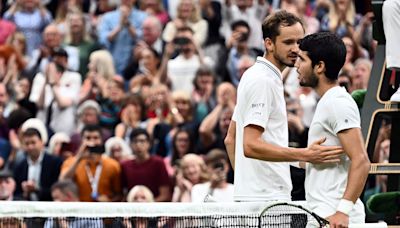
pixel 181 41
pixel 243 37
pixel 218 165
pixel 100 149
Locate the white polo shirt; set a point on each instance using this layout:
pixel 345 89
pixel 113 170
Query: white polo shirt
pixel 260 101
pixel 325 184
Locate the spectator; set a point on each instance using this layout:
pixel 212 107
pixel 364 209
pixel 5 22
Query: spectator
pixel 67 191
pixel 7 30
pixel 214 127
pixel 79 38
pixel 182 143
pixel 118 149
pixel 155 8
pixel 35 174
pixel 146 169
pixel 56 94
pixel 101 70
pixel 253 14
pixel 203 95
pixel 60 146
pixel 238 47
pixel 120 30
pixel 52 41
pixel 140 193
pixel 97 176
pixel 132 116
pixel 217 189
pixel 30 17
pixel 188 16
pixel 192 171
pixel 181 70
pixel 22 91
pixel 361 73
pixel 7 185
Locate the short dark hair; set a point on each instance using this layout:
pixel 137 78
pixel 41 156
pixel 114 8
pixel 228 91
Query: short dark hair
pixel 139 131
pixel 240 23
pixel 325 47
pixel 66 186
pixel 215 155
pixel 91 128
pixel 30 132
pixel 273 22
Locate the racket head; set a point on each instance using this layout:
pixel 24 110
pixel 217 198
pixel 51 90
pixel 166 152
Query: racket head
pixel 290 215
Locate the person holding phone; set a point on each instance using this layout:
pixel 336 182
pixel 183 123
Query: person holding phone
pixel 217 189
pixel 97 176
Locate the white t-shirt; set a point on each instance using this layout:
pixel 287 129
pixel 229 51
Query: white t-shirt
pixel 200 191
pixel 260 101
pixel 325 184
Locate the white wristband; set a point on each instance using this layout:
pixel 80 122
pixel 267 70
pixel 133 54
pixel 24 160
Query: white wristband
pixel 345 206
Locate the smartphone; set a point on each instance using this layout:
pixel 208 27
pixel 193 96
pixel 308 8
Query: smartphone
pixel 96 149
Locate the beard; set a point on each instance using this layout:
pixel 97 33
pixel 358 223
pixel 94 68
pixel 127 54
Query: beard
pixel 283 61
pixel 311 81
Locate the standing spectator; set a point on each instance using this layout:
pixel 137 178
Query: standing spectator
pixel 146 169
pixel 188 16
pixel 181 70
pixel 101 70
pixel 38 171
pixel 203 95
pixel 97 176
pixel 79 38
pixel 238 47
pixel 56 94
pixel 217 189
pixel 52 41
pixel 120 30
pixel 214 127
pixel 30 17
pixel 253 14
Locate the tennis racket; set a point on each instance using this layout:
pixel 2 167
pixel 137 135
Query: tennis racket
pixel 291 216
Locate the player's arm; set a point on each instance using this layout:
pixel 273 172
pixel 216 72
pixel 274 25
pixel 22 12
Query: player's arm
pixel 230 142
pixel 353 145
pixel 255 147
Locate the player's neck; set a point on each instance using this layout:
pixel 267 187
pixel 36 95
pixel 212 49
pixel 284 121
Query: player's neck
pixel 274 61
pixel 324 86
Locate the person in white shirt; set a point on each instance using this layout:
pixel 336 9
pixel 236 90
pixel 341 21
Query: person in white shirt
pixel 333 190
pixel 258 131
pixel 217 189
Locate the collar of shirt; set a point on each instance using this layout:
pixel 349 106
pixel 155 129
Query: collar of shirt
pixel 271 66
pixel 38 161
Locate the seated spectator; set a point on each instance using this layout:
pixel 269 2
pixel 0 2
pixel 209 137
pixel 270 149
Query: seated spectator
pixel 67 191
pixel 140 193
pixel 118 149
pixel 132 116
pixel 7 185
pixel 192 171
pixel 182 143
pixel 217 189
pixel 35 174
pixel 146 169
pixel 203 95
pixel 97 176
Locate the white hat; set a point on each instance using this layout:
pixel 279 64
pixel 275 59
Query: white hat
pixel 37 124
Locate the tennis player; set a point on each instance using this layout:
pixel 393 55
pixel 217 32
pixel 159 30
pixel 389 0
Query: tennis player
pixel 333 190
pixel 258 131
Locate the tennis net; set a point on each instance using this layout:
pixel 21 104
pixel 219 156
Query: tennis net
pixel 158 215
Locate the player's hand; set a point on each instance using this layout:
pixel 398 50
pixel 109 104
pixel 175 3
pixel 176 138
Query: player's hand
pixel 316 153
pixel 338 220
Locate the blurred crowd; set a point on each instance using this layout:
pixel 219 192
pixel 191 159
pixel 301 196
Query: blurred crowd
pixel 130 100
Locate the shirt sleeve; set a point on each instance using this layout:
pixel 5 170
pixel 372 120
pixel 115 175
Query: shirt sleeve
pixel 346 115
pixel 258 104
